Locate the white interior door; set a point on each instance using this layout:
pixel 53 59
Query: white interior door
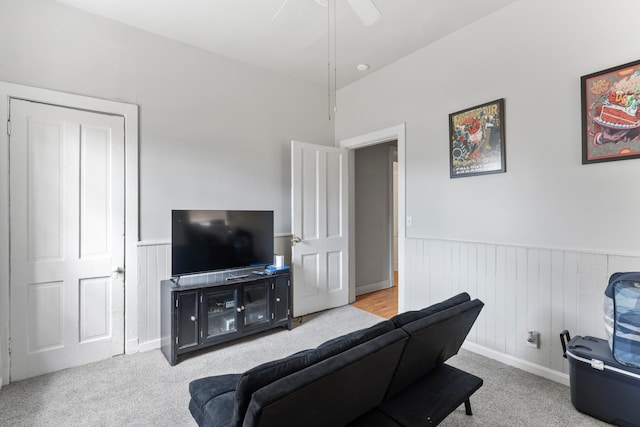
pixel 67 237
pixel 320 227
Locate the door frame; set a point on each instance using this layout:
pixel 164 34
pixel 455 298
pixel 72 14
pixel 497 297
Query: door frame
pixel 393 214
pixel 393 133
pixel 130 114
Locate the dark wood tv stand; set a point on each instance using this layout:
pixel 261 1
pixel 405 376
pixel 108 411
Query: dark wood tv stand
pixel 197 316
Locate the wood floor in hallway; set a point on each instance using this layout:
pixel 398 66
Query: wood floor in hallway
pixel 383 303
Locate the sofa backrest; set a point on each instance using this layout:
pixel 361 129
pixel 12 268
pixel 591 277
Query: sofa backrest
pixel 432 340
pixel 402 319
pixel 261 375
pixel 332 392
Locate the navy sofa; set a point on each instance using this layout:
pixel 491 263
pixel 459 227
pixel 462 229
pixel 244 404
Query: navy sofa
pixel 390 374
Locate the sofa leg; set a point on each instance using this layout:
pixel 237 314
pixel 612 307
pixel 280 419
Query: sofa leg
pixel 467 407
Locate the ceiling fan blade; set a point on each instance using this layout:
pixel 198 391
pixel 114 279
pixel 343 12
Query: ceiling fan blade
pixel 366 11
pixel 277 16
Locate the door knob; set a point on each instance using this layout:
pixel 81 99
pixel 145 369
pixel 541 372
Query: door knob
pixel 115 270
pixel 295 240
pixel 277 299
pixel 193 318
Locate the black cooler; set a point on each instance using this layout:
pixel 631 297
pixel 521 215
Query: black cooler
pixel 600 386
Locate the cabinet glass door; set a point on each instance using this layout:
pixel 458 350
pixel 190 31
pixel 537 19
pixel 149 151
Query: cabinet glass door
pixel 219 307
pixel 256 304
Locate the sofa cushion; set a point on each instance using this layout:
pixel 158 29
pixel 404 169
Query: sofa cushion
pixel 269 372
pixel 213 399
pixel 409 316
pixel 432 340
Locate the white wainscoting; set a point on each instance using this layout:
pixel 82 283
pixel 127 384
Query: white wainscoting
pixel 524 289
pixel 154 265
pixel 546 290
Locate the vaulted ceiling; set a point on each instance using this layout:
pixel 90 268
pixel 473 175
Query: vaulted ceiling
pixel 303 38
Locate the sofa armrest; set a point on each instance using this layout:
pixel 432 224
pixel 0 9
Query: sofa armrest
pixel 213 400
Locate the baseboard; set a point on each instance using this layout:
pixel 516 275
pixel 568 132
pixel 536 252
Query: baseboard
pixel 372 287
pixel 149 345
pixel 526 366
pixel 153 243
pixel 131 346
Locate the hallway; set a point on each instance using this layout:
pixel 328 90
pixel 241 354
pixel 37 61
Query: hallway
pixel 383 303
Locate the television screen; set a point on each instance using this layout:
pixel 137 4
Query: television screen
pixel 208 240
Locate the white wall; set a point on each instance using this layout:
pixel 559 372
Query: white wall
pixel 531 53
pixel 214 133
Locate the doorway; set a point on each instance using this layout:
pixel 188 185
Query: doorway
pixel 375 217
pixel 376 228
pixel 383 139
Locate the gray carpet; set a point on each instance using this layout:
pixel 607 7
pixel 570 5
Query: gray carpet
pixel 143 390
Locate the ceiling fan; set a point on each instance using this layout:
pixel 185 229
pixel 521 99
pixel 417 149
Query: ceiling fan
pixel 366 10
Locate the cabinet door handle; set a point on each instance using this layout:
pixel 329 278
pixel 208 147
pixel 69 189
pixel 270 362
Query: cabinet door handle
pixel 277 299
pixel 193 318
pixel 241 308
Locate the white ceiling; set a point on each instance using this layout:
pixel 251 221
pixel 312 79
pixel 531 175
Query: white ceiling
pixel 297 42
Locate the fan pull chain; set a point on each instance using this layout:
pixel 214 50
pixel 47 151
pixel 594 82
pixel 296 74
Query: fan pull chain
pixel 335 60
pixel 329 59
pixel 331 32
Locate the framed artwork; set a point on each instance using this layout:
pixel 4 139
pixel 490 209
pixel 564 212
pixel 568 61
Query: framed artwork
pixel 477 140
pixel 610 114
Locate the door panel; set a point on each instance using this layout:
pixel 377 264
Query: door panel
pixel 95 308
pixel 320 224
pixel 67 235
pixel 95 188
pixel 44 205
pixel 309 266
pixel 334 202
pixel 334 270
pixel 309 196
pixel 44 324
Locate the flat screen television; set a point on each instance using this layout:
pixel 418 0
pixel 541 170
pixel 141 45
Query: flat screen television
pixel 211 240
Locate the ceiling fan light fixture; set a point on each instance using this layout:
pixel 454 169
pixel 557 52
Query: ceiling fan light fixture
pixel 366 11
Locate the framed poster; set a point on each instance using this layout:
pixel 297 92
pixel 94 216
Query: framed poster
pixel 477 140
pixel 610 114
